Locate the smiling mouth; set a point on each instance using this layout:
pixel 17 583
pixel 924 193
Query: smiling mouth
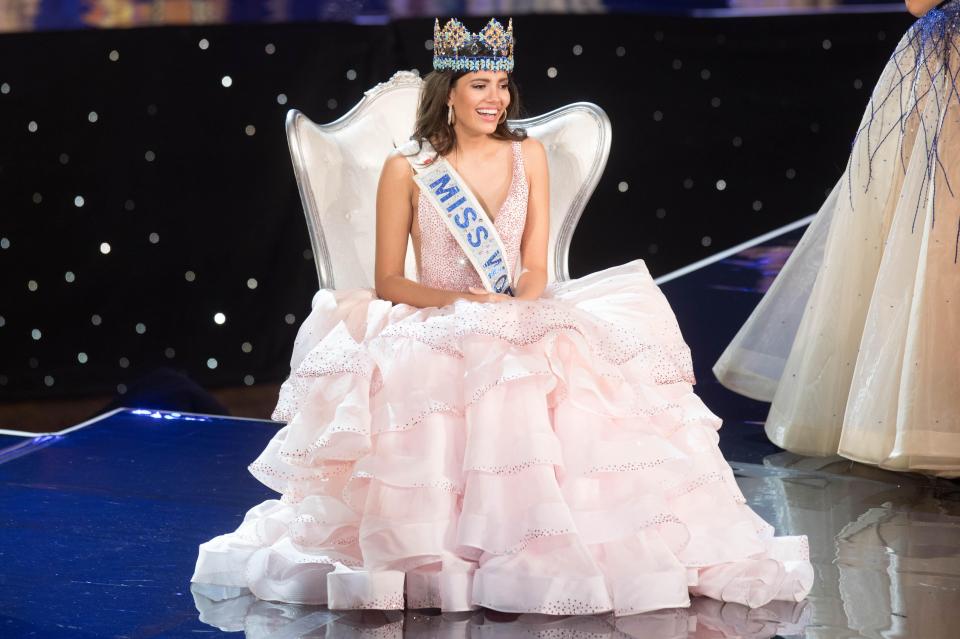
pixel 489 115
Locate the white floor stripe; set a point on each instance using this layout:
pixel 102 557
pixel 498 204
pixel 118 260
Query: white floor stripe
pixel 722 255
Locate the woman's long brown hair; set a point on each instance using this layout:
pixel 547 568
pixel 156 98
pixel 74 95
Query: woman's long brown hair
pixel 432 112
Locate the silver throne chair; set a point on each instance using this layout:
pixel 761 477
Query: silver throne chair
pixel 337 167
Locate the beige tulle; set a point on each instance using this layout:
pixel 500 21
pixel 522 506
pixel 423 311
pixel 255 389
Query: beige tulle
pixel 857 343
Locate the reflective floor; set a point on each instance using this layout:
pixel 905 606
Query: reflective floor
pixel 99 526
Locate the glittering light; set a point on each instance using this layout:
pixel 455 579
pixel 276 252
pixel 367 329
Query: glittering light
pixel 858 84
pixel 141 328
pixel 428 45
pixel 706 240
pixel 791 173
pixel 92 117
pixel 3 321
pixel 248 380
pixel 154 238
pixel 688 183
pixel 78 201
pixel 246 347
pixel 151 109
pixel 105 247
pixel 250 130
pixel 129 205
pixel 37 198
pixel 69 277
pixel 715 102
pixel 252 283
pixel 757 205
pixel 737 142
pixel 307 254
pixel 290 318
pixel 122 389
pixel 64 158
pixel 96 320
pixel 552 72
pixel 281 98
pixel 32 285
pixel 661 213
pixel 4 88
pixel 271 48
pixel 621 51
pixel 190 276
pixel 658 116
pixel 623 186
pixel 211 363
pixel 827 45
pixel 204 44
pixel 4 243
pixel 226 81
pixel 705 74
pixel 351 74
pixel 124 362
pixel 149 156
pixel 219 318
pixel 48 380
pixel 577 49
pixel 677 64
pixel 32 126
pixel 721 185
pixel 164 415
pixel 36 334
pixel 82 357
pixel 331 104
pixel 33 362
pixel 114 55
pixel 169 353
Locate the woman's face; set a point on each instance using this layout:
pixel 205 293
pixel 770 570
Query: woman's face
pixel 479 100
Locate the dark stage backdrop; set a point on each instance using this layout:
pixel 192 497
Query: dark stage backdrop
pixel 149 217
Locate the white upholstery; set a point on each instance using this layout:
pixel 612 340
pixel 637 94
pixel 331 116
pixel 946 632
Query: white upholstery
pixel 337 167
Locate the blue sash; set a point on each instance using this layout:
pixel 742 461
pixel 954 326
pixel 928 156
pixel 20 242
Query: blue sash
pixel 459 208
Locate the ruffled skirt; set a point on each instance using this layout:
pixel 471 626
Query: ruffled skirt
pixel 545 456
pixel 856 343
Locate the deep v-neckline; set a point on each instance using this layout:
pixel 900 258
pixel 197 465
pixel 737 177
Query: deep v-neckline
pixel 513 179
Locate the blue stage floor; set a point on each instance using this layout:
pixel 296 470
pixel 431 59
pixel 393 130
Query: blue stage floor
pixel 99 526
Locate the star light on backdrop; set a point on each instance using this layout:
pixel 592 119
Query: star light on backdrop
pixel 151 217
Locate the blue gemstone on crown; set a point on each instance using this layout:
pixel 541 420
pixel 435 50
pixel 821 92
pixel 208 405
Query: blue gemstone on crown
pixel 456 48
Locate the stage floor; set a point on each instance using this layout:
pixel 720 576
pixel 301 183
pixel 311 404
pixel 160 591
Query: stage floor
pixel 101 523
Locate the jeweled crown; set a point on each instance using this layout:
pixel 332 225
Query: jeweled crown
pixel 455 48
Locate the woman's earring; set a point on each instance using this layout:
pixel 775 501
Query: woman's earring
pixel 451 118
pixel 503 118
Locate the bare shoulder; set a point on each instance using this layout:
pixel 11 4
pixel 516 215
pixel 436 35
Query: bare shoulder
pixel 396 170
pixel 534 156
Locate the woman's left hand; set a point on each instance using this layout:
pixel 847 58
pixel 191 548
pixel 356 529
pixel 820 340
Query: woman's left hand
pixel 486 296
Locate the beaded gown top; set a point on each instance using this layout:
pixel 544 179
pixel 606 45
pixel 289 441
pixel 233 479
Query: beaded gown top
pixel 442 263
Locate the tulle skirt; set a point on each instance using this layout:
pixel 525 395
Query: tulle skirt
pixel 857 343
pixel 546 457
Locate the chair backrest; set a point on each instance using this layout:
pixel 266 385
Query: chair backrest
pixel 337 167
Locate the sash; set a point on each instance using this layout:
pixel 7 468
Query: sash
pixel 461 211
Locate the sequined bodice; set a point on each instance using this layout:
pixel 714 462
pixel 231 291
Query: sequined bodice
pixel 442 263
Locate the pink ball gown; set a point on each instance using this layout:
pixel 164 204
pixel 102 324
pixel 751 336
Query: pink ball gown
pixel 526 456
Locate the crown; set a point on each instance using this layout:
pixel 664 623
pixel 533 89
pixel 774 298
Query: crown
pixel 456 49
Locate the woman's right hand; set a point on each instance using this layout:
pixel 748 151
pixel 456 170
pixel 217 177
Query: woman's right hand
pixel 483 295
